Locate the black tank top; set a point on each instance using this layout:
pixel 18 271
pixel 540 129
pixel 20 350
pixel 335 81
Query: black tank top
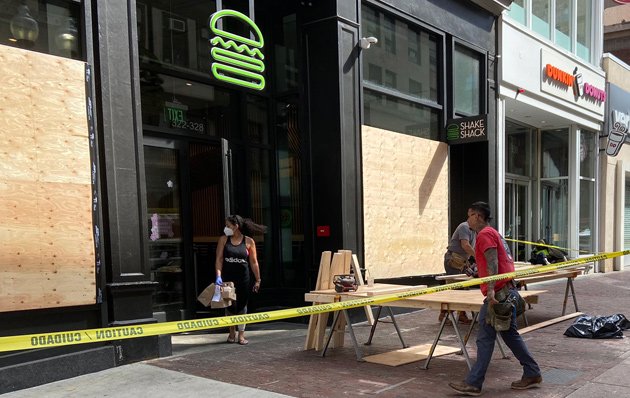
pixel 235 261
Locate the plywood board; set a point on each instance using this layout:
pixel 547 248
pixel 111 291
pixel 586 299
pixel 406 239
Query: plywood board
pixel 405 193
pixel 46 236
pixel 410 354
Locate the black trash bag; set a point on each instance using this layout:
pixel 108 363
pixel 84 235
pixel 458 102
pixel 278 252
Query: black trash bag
pixel 602 327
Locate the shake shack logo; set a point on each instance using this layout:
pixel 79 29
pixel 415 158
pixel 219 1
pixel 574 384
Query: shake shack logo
pixel 238 59
pixel 467 129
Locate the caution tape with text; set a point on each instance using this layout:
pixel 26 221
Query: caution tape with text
pixel 46 340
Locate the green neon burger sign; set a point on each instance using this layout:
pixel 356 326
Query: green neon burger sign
pixel 237 59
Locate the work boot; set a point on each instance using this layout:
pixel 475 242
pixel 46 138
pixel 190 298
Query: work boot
pixel 444 314
pixel 463 319
pixel 527 382
pixel 465 389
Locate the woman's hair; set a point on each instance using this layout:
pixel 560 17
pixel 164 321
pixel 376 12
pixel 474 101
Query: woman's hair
pixel 482 208
pixel 246 225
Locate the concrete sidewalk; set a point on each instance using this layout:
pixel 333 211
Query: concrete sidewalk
pixel 274 363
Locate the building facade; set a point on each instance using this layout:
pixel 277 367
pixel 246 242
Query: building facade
pixel 334 123
pixel 614 195
pixel 551 113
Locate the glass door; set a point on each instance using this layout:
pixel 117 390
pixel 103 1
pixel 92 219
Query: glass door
pixel 186 206
pixel 518 217
pixel 209 175
pixel 164 210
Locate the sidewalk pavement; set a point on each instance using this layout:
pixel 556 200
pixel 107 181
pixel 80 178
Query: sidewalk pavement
pixel 275 365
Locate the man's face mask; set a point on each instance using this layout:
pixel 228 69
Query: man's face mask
pixel 228 231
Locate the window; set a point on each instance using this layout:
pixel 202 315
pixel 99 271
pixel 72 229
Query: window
pixel 517 11
pixel 587 158
pixel 389 31
pixel 554 186
pixel 541 17
pixel 572 19
pixel 584 35
pixel 401 88
pixel 466 81
pixel 555 153
pixel 51 27
pixel 563 23
pixel 519 149
pixel 395 114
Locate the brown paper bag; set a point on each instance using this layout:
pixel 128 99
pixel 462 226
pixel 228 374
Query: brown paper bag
pixel 206 295
pixel 228 291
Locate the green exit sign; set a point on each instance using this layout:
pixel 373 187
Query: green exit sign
pixel 175 112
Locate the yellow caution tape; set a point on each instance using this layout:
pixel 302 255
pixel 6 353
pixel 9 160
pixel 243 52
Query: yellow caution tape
pixel 545 245
pixel 46 340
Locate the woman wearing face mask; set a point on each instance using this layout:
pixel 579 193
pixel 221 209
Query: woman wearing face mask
pixel 236 255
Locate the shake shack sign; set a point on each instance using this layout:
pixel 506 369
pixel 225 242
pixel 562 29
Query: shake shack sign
pixel 467 129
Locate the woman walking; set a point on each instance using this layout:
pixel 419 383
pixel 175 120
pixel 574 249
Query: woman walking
pixel 236 256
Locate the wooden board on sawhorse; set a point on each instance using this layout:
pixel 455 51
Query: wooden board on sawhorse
pixel 329 266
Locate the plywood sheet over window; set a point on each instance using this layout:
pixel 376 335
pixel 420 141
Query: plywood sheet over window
pixel 405 194
pixel 46 241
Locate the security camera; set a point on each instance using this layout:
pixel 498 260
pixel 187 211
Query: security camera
pixel 366 42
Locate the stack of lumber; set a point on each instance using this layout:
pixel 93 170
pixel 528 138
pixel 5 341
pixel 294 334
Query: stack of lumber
pixel 330 265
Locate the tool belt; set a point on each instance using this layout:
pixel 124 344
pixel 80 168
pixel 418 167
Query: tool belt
pixel 457 261
pixel 510 302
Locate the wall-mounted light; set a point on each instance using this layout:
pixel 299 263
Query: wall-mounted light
pixel 23 26
pixel 366 42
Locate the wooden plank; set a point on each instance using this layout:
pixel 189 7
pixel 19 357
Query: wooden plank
pixel 322 319
pixel 342 267
pixel 357 272
pixel 544 324
pixel 409 355
pixel 324 262
pixel 45 183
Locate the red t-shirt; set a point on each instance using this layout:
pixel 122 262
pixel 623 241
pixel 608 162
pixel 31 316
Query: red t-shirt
pixel 489 238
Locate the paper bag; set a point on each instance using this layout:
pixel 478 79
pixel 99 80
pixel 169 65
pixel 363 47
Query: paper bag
pixel 206 295
pixel 218 299
pixel 228 291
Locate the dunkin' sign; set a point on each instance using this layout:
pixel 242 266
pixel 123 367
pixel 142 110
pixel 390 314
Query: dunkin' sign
pixel 564 78
pixel 574 82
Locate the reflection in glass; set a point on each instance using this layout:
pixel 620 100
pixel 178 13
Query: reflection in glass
pixel 289 188
pixel 588 151
pixel 563 23
pixel 540 17
pixel 466 81
pixel 165 232
pixel 396 114
pixel 584 21
pixel 555 153
pixel 414 71
pixel 517 11
pixel 46 26
pixel 554 197
pixel 519 149
pixel 181 106
pixel 587 215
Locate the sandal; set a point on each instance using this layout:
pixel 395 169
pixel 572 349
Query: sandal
pixel 231 340
pixel 243 342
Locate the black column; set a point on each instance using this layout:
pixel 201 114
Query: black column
pixel 333 84
pixel 129 288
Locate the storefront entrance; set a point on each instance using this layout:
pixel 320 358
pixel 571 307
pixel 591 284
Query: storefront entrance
pixel 517 217
pixel 188 196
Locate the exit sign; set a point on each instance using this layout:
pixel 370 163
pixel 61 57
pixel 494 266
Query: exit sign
pixel 175 112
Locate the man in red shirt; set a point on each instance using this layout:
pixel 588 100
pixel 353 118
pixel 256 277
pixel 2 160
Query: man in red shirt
pixel 493 257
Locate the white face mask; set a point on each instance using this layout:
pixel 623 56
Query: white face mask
pixel 228 231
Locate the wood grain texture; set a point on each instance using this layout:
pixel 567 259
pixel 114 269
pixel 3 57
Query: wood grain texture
pixel 46 240
pixel 405 193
